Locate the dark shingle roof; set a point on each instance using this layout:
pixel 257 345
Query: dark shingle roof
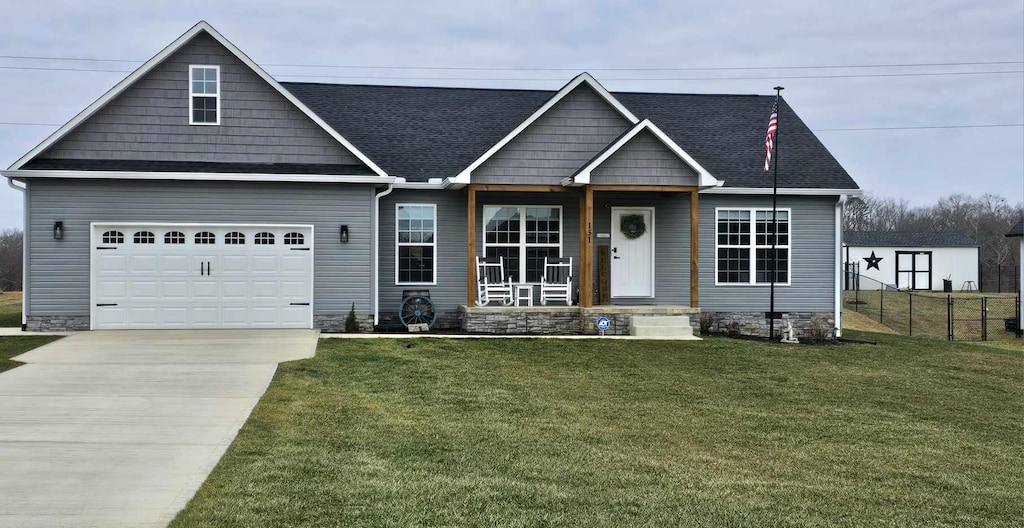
pixel 196 166
pixel 1017 229
pixel 420 133
pixel 907 239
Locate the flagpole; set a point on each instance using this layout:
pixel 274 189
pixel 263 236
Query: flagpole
pixel 775 225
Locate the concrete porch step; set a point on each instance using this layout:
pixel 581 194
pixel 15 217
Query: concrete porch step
pixel 673 326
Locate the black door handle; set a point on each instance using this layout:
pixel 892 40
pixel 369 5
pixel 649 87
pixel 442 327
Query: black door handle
pixel 209 269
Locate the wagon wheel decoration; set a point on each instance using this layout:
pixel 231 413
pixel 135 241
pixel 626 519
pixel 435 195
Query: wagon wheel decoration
pixel 633 226
pixel 417 309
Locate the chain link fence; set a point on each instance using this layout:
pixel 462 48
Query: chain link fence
pixel 951 316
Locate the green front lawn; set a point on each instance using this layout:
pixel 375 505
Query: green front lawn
pixel 10 309
pixel 12 346
pixel 590 433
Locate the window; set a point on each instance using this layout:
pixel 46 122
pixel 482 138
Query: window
pixel 144 237
pixel 234 238
pixel 263 239
pixel 204 95
pixel 174 237
pixel 294 239
pixel 415 243
pixel 113 237
pixel 523 236
pixel 743 246
pixel 205 237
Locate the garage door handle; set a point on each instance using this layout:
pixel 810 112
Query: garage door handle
pixel 202 269
pixel 208 268
pixel 107 304
pixel 300 304
pixel 104 247
pixel 300 249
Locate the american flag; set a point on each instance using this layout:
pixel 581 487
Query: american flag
pixel 769 138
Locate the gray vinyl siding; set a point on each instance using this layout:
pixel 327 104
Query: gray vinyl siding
pixel 149 120
pixel 644 160
pixel 59 269
pixel 671 242
pixel 812 260
pixel 554 146
pixel 449 254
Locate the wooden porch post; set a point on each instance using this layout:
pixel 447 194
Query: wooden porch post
pixel 694 249
pixel 470 245
pixel 587 248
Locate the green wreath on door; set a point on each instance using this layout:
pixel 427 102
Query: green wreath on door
pixel 633 226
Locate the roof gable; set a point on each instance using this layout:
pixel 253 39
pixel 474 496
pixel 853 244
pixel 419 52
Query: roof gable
pixel 424 132
pixel 583 79
pixel 643 129
pixel 198 42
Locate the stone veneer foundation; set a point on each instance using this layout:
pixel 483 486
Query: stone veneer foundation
pixel 560 320
pixel 56 323
pixel 755 324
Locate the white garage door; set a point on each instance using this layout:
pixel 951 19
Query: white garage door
pixel 201 276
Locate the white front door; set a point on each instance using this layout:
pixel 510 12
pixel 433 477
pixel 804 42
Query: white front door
pixel 201 276
pixel 632 252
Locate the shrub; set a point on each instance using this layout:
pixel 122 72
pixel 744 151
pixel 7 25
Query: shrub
pixel 351 323
pixel 707 322
pixel 818 330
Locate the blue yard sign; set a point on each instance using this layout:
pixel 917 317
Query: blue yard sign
pixel 603 324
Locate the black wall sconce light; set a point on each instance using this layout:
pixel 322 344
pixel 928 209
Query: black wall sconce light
pixel 58 230
pixel 344 234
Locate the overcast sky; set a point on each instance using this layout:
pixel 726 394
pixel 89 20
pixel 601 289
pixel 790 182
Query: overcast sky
pixel 920 165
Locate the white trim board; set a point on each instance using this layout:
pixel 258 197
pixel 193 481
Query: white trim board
pixel 464 176
pixel 22 175
pixel 201 27
pixel 704 178
pixel 789 191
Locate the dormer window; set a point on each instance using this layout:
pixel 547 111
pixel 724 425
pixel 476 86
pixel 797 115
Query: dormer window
pixel 204 95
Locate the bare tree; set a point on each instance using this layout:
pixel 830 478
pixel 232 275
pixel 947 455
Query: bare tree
pixel 11 244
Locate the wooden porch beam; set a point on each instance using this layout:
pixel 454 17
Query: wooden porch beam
pixel 587 249
pixel 694 249
pixel 521 188
pixel 644 188
pixel 470 245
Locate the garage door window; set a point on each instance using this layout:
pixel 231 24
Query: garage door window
pixel 294 239
pixel 113 237
pixel 234 238
pixel 205 237
pixel 144 237
pixel 264 239
pixel 174 237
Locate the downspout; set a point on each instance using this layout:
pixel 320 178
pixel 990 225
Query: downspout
pixel 24 252
pixel 839 265
pixel 375 271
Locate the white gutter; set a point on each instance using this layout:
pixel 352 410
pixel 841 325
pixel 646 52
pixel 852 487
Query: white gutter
pixel 787 191
pixel 24 252
pixel 203 176
pixel 375 267
pixel 433 184
pixel 839 265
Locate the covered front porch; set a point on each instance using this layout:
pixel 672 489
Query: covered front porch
pixel 631 245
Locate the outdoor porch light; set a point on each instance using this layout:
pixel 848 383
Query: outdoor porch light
pixel 344 234
pixel 58 230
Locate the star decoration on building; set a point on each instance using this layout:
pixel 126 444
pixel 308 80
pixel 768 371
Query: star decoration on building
pixel 873 261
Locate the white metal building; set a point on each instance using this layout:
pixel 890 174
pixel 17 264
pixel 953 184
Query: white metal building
pixel 912 260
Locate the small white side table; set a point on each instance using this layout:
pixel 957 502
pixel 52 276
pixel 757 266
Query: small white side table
pixel 524 291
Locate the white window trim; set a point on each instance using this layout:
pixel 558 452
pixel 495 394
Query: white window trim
pixel 522 244
pixel 191 95
pixel 753 246
pixel 433 244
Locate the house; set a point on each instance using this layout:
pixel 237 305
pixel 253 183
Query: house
pixel 200 192
pixel 1018 231
pixel 912 260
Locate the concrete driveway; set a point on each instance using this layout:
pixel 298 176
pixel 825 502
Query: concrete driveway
pixel 120 428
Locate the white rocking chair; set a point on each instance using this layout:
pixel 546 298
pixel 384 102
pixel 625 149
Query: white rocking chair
pixel 491 284
pixel 556 283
